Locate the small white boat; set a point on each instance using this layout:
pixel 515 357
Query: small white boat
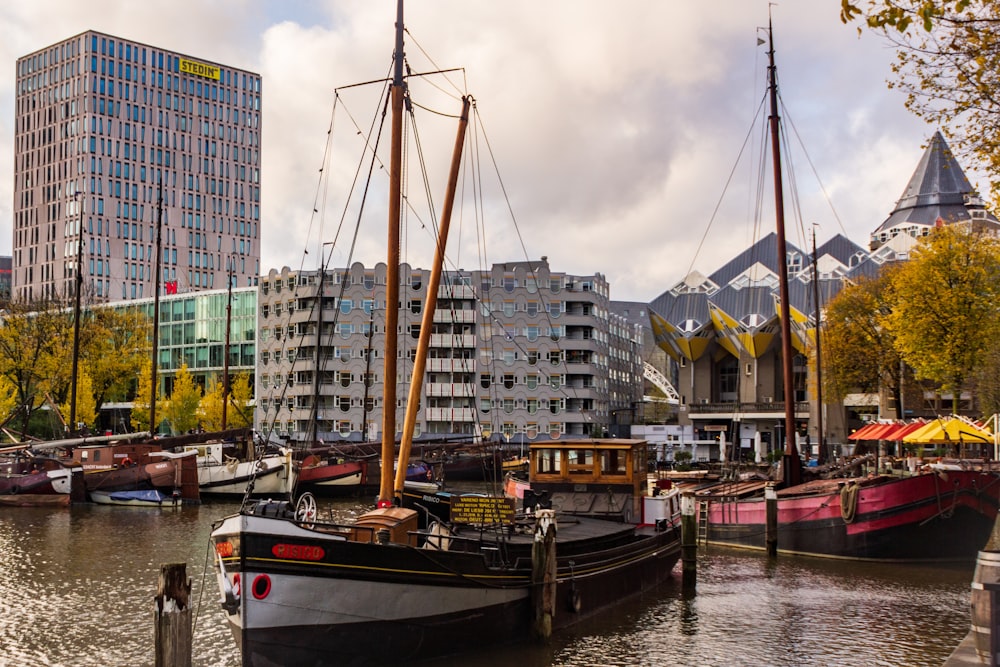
pixel 138 498
pixel 220 475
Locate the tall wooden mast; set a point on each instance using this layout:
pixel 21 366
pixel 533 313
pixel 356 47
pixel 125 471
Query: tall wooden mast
pixel 392 272
pixel 427 320
pixel 792 467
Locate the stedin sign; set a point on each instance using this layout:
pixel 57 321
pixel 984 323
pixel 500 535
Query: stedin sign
pixel 199 69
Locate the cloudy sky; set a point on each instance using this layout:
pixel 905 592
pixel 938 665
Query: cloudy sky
pixel 615 127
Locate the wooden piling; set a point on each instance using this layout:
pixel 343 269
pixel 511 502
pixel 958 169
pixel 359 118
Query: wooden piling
pixel 689 539
pixel 543 574
pixel 771 518
pixel 172 617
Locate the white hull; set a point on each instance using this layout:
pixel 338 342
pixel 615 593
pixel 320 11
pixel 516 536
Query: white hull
pixel 271 476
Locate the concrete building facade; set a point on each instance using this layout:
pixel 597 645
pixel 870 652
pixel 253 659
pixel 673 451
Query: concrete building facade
pixel 107 128
pixel 518 350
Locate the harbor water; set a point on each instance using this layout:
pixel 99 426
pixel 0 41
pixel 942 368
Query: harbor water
pixel 77 587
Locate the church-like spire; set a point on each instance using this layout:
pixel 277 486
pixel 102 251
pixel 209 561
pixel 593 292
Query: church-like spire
pixel 937 193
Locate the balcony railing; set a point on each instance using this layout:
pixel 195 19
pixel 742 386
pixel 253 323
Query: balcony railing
pixel 777 407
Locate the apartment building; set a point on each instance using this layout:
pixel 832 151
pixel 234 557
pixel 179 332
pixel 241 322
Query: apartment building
pixel 115 140
pixel 517 350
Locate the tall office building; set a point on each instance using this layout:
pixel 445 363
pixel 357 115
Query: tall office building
pixel 103 126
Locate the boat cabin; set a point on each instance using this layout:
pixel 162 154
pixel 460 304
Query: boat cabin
pixel 603 476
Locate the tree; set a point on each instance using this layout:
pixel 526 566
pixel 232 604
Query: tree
pixel 115 345
pixel 86 407
pixel 948 65
pixel 210 407
pixel 30 338
pixel 238 414
pixel 947 302
pixel 181 409
pixel 143 401
pixel 859 351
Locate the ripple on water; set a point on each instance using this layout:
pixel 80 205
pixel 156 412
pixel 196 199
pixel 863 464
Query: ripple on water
pixel 78 588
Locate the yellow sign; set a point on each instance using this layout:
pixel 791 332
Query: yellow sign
pixel 199 69
pixel 482 509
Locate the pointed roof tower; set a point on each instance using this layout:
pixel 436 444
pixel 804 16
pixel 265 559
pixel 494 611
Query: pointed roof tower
pixel 938 193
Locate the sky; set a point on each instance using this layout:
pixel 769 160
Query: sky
pixel 623 133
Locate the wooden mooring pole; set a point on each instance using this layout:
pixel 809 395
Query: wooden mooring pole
pixel 771 519
pixel 543 573
pixel 172 616
pixel 689 540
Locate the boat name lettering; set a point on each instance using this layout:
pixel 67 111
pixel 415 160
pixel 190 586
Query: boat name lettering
pixel 430 499
pixel 298 551
pixel 482 509
pixel 200 69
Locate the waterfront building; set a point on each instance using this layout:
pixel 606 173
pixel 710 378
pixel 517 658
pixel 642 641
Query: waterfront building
pixel 517 350
pixel 722 334
pixel 193 331
pixel 105 128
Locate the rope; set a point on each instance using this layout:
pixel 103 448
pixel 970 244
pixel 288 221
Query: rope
pixel 849 501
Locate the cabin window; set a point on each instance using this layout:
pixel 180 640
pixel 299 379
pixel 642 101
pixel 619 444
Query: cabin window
pixel 613 462
pixel 580 461
pixel 548 461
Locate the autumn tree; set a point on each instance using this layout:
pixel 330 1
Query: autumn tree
pixel 8 400
pixel 115 346
pixel 143 401
pixel 239 414
pixel 181 409
pixel 947 302
pixel 30 340
pixel 859 352
pixel 210 407
pixel 86 407
pixel 947 64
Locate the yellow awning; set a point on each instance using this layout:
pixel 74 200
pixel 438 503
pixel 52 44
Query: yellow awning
pixel 949 432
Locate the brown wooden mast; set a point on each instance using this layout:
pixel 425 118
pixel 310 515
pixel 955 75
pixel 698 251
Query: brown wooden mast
pixel 427 319
pixel 392 271
pixel 791 465
pixel 153 379
pixel 821 456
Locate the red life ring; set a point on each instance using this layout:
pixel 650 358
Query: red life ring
pixel 261 586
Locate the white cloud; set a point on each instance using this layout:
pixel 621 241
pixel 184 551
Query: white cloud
pixel 615 125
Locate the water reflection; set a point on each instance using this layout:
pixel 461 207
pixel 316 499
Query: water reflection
pixel 78 584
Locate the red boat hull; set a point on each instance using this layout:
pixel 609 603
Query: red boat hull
pixel 936 516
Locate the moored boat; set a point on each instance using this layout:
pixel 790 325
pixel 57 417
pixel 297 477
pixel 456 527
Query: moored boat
pixel 932 515
pixel 300 590
pixel 27 479
pixel 937 515
pixel 144 498
pixel 267 474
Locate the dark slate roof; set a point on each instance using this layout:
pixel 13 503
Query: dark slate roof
pixel 802 299
pixel 676 309
pixel 937 190
pixel 843 249
pixel 738 303
pixel 764 251
pixel 866 269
